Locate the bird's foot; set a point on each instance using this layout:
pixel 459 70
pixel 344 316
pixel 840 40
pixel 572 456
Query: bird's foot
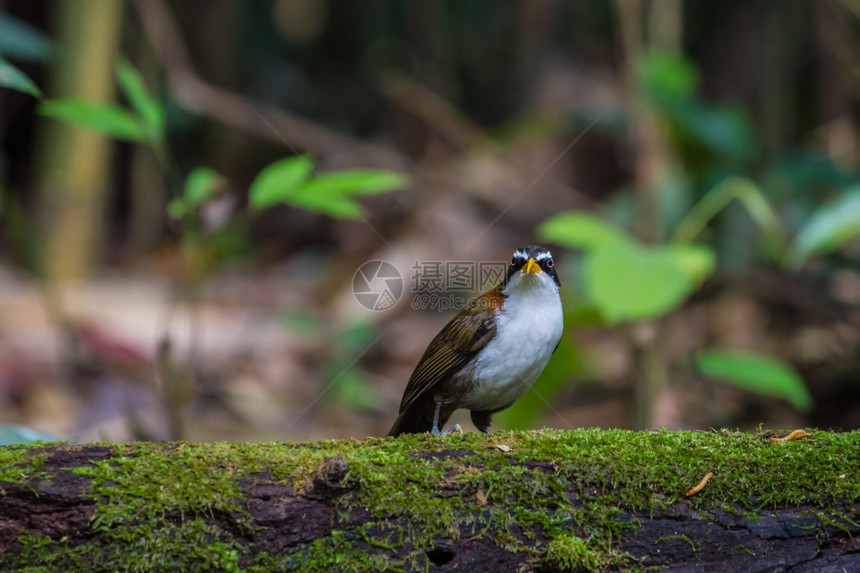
pixel 455 428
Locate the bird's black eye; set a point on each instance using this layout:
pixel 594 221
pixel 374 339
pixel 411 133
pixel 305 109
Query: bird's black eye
pixel 549 264
pixel 514 261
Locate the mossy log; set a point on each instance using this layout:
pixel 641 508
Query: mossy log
pixel 548 500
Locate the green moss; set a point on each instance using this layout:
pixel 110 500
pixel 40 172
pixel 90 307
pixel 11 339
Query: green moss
pixel 560 497
pixel 41 553
pixel 192 546
pixel 145 481
pixel 337 552
pixel 570 553
pixel 18 463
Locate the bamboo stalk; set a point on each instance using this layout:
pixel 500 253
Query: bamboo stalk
pixel 75 163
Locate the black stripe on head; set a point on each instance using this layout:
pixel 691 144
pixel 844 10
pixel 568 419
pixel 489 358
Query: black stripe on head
pixel 541 256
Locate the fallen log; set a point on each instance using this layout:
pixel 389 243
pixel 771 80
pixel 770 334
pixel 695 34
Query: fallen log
pixel 589 500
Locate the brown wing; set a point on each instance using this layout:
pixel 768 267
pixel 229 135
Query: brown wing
pixel 462 338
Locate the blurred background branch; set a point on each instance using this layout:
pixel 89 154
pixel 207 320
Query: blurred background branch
pixel 238 111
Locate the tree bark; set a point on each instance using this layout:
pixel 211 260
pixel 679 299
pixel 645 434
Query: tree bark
pixel 574 500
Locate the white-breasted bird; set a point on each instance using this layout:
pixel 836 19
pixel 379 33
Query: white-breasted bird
pixel 491 353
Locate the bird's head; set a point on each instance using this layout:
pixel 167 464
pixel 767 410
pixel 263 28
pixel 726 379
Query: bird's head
pixel 531 267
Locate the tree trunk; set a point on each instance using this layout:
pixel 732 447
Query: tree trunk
pixel 549 500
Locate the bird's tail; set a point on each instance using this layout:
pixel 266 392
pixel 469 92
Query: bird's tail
pixel 416 419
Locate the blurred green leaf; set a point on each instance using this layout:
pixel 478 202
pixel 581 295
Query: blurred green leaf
pixel 580 230
pixel 349 384
pixel 289 181
pixel 700 133
pixel 200 186
pixel 177 209
pixel 10 435
pixel 715 200
pixel 631 282
pixel 14 79
pixel 356 182
pixel 321 199
pixel 108 119
pixel 805 175
pixel 354 339
pixel 761 211
pixel 666 78
pixel 279 181
pixel 19 40
pixel 353 390
pixel 132 85
pixel 756 373
pixel 828 228
pixel 697 261
pixel 723 131
pixel 305 324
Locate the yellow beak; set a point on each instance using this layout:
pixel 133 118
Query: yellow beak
pixel 531 267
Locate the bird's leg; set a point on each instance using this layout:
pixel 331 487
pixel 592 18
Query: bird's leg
pixel 482 421
pixel 435 431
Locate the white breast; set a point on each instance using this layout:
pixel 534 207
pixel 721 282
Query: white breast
pixel 527 333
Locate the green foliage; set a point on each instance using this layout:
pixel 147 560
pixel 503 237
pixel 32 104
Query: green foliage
pixel 294 182
pixel 359 182
pixel 20 435
pixel 697 261
pixel 348 380
pixel 279 181
pixel 20 41
pixel 712 141
pixel 757 374
pixel 303 324
pixel 13 78
pixel 108 119
pixel 827 228
pixel 148 109
pixel 205 245
pixel 830 227
pixel 627 281
pixel 144 123
pixel 751 197
pixel 579 230
pixel 623 279
pixel 703 135
pixel 665 78
pixel 200 186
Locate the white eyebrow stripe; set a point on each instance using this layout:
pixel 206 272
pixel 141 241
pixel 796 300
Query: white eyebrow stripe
pixel 524 255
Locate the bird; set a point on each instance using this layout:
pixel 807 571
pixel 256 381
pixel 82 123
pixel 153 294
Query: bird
pixel 491 353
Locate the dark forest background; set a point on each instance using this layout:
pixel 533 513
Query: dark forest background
pixel 187 190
